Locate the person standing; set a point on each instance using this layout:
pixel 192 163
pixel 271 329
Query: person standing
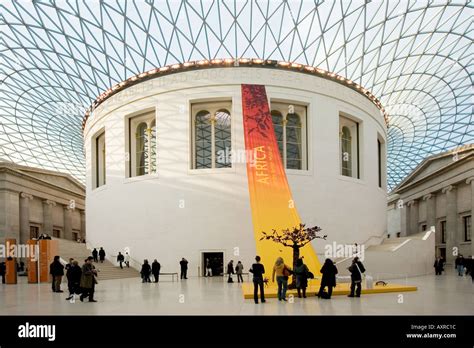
pixel 155 269
pixel 230 271
pixel 208 272
pixel 282 273
pixel 329 271
pixel 120 259
pixel 238 269
pixel 145 272
pixel 438 265
pixel 127 259
pixel 73 275
pixel 301 273
pixel 101 255
pixel 459 265
pixel 88 280
pixel 356 269
pixel 95 255
pixel 56 269
pixel 258 270
pixel 184 268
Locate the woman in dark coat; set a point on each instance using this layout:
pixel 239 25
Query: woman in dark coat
pixel 145 272
pixel 102 255
pixel 329 271
pixel 301 272
pixel 74 274
pixel 155 269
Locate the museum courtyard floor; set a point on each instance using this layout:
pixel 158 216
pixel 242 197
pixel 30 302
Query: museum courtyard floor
pixel 441 295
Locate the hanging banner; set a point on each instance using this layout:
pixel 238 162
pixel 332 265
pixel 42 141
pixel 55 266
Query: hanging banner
pixel 270 196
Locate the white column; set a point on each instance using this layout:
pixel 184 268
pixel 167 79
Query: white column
pixel 48 216
pixel 471 181
pixel 413 216
pixel 25 199
pixel 405 218
pixel 451 221
pixel 430 210
pixel 83 224
pixel 67 224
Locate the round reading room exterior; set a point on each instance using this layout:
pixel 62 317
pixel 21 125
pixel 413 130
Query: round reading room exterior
pixel 167 162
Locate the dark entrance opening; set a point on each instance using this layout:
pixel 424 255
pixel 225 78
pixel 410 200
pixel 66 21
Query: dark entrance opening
pixel 442 253
pixel 216 261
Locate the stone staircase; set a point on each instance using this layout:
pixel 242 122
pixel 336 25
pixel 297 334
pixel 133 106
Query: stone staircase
pixel 107 270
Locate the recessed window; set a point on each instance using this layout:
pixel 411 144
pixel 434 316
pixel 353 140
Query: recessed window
pixel 212 135
pixel 467 228
pixel 142 145
pixel 99 160
pixel 289 124
pixel 349 147
pixel 443 231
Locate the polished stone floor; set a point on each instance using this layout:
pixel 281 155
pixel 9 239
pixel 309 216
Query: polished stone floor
pixel 447 294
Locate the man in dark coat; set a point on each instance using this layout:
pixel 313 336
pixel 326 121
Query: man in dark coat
pixel 230 271
pixel 145 272
pixel 258 270
pixel 356 269
pixel 155 269
pixel 120 259
pixel 95 255
pixel 102 255
pixel 438 265
pixel 184 268
pixel 329 271
pixel 88 280
pixel 56 269
pixel 73 275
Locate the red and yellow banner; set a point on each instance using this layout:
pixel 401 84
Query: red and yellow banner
pixel 270 196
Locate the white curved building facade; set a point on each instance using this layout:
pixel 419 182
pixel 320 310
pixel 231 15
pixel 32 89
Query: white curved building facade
pixel 156 185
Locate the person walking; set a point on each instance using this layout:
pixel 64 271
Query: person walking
pixel 101 255
pixel 184 268
pixel 301 273
pixel 459 265
pixel 73 275
pixel 127 259
pixel 329 271
pixel 56 269
pixel 120 259
pixel 282 273
pixel 230 271
pixel 438 265
pixel 155 269
pixel 238 270
pixel 95 255
pixel 258 270
pixel 88 280
pixel 356 269
pixel 208 272
pixel 145 272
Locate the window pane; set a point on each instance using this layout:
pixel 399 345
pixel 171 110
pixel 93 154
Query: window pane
pixel 141 150
pixel 203 145
pixel 346 152
pixel 277 120
pixel 293 142
pixel 153 149
pixel 223 139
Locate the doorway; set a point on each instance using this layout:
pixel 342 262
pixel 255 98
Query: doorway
pixel 442 253
pixel 216 260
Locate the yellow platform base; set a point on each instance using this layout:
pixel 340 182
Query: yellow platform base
pixel 340 289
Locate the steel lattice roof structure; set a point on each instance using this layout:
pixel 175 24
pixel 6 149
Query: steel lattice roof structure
pixel 56 57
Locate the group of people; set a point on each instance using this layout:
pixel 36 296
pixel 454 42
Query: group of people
pixel 121 259
pixel 98 255
pixel 464 266
pixel 81 280
pixel 239 269
pixel 147 270
pixel 302 274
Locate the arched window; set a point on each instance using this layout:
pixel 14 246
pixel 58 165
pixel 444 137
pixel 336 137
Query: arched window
pixel 346 152
pixel 288 124
pixel 142 145
pixel 212 141
pixel 349 147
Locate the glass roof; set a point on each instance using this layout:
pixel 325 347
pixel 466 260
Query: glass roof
pixel 56 57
